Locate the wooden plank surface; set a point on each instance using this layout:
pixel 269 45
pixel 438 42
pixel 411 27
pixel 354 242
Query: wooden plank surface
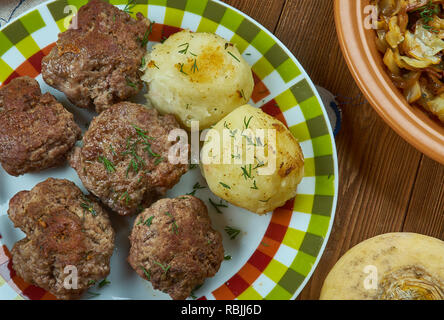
pixel 385 184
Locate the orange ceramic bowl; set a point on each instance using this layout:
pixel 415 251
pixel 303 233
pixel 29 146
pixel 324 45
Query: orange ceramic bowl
pixel 365 63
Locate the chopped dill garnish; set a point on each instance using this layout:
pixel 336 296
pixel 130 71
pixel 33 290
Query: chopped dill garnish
pixel 141 133
pixel 196 187
pixel 159 161
pixel 236 58
pixel 109 166
pixel 147 222
pixel 125 196
pixel 265 201
pixel 146 36
pixel 247 122
pixel 217 205
pixel 112 150
pixel 103 283
pixel 232 232
pixel 227 257
pixel 129 6
pixel 225 185
pixel 150 151
pixel 194 68
pixel 88 205
pixel 185 47
pixel 174 228
pixel 181 69
pixel 164 268
pixel 131 84
pixel 254 187
pixel 246 173
pixel 147 273
pixel 142 63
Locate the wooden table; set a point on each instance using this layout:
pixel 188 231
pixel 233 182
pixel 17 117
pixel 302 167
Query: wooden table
pixel 385 185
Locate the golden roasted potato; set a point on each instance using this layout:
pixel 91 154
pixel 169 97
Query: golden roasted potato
pixel 197 77
pixel 252 160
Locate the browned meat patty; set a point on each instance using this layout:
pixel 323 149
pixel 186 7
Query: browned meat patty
pixel 36 131
pixel 174 246
pixel 97 64
pixel 124 157
pixel 63 228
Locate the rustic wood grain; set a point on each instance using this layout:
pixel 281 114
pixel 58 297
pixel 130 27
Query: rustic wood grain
pixel 426 210
pixel 385 184
pixel 266 12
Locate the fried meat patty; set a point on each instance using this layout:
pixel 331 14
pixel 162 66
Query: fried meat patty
pixel 174 246
pixel 124 157
pixel 63 228
pixel 96 61
pixel 36 131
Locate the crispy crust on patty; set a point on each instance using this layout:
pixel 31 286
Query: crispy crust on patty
pixel 124 157
pixel 63 228
pixel 96 64
pixel 174 246
pixel 36 131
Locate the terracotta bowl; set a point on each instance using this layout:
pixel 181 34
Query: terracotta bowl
pixel 365 63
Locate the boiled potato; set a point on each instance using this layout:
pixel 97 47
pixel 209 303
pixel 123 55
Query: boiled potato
pixel 197 76
pixel 252 160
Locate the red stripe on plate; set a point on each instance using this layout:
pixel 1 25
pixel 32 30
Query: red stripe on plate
pixel 276 232
pixel 273 110
pixel 237 285
pixel 259 260
pixel 34 293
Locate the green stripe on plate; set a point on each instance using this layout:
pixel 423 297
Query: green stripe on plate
pixel 174 17
pixel 279 293
pixel 16 32
pixel 231 20
pixel 303 263
pixel 177 4
pixel 6 70
pixel 207 25
pixel 57 9
pixel 247 30
pixel 324 166
pixel 311 244
pixel 196 7
pixel 5 43
pixel 275 270
pixel 214 11
pixel 302 91
pixel 322 145
pixel 293 238
pixel 28 47
pixel 250 294
pixel 33 21
pixel 325 185
pixel 318 225
pixel 317 126
pixel 288 70
pixel 291 280
pixel 322 205
pixel 303 203
pixel 276 55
